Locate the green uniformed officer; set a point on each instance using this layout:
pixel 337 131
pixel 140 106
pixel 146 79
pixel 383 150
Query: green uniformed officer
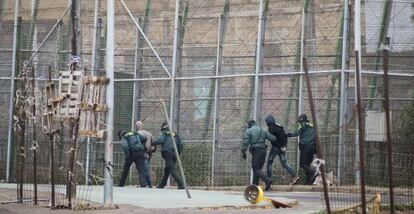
pixel 306 135
pixel 167 152
pixel 134 150
pixel 254 139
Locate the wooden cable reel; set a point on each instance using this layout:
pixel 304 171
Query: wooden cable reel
pixel 254 195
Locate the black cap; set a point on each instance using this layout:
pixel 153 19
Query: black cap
pixel 303 117
pixel 164 126
pixel 251 123
pixel 121 133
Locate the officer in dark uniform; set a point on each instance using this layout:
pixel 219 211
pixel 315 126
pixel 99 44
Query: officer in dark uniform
pixel 306 135
pixel 167 152
pixel 134 153
pixel 254 140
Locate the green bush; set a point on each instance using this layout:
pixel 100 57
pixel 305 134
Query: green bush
pixel 196 163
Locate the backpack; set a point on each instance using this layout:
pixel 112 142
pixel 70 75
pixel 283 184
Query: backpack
pixel 135 141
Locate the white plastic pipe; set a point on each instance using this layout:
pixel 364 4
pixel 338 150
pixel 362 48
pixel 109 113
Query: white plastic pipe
pixel 110 37
pixel 344 94
pixel 357 35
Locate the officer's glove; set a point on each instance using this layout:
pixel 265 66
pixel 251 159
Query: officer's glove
pixel 244 155
pixel 283 149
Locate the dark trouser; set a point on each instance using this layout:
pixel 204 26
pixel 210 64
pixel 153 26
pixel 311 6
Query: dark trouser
pixel 258 160
pixel 164 178
pixel 170 160
pixel 146 172
pixel 306 157
pixel 275 151
pixel 136 157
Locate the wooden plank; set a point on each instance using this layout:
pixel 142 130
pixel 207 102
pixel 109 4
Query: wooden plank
pixel 92 106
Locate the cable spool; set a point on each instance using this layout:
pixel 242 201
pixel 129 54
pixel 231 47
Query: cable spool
pixel 254 195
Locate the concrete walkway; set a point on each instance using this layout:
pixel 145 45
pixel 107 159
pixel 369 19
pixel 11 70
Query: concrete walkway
pixel 174 198
pixel 171 198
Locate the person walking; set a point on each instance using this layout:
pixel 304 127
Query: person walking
pixel 134 153
pixel 167 151
pixel 139 125
pixel 254 139
pixel 306 135
pixel 278 148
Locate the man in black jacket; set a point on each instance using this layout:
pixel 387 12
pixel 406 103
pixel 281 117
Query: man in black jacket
pixel 278 148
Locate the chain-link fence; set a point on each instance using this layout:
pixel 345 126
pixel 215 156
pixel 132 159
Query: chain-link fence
pixel 223 65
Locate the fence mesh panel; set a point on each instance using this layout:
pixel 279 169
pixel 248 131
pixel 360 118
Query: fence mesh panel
pixel 210 93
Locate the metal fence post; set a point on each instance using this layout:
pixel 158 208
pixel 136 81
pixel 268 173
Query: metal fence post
pixel 174 64
pixel 11 100
pixel 173 100
pixel 257 88
pixel 388 122
pixel 94 38
pixel 217 89
pixel 258 66
pixel 359 153
pixel 357 37
pixel 344 94
pixel 58 44
pixel 93 73
pixel 135 83
pixel 302 53
pixel 361 132
pixel 108 182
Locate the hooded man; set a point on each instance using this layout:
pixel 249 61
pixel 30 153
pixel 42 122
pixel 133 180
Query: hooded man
pixel 167 152
pixel 148 149
pixel 278 148
pixel 306 135
pixel 254 139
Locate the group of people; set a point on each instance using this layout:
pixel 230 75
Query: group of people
pixel 255 138
pixel 138 147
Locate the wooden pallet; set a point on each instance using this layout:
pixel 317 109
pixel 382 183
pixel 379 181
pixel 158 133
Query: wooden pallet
pixel 50 109
pixel 70 92
pixel 93 107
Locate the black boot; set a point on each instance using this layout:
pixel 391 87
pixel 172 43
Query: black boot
pixel 268 184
